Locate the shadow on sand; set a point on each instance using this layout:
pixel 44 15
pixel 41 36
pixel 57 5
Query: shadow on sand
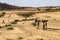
pixel 53 29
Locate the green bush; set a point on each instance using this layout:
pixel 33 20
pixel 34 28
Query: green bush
pixel 48 16
pixel 8 25
pixel 10 28
pixel 27 19
pixel 2 14
pixel 34 24
pixel 39 39
pixel 19 38
pixel 13 22
pixel 24 20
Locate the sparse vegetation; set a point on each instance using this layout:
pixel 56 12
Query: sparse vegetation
pixel 19 38
pixel 10 39
pixel 33 23
pixel 39 39
pixel 13 22
pixel 10 28
pixel 2 14
pixel 27 19
pixel 8 25
pixel 48 16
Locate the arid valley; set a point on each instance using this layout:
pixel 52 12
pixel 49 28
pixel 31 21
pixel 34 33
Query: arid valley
pixel 24 30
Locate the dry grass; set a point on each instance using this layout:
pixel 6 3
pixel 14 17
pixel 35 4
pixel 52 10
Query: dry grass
pixel 25 30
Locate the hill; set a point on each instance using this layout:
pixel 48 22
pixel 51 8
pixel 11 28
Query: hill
pixel 5 6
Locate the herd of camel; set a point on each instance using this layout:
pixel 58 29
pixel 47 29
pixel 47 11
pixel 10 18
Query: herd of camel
pixel 44 23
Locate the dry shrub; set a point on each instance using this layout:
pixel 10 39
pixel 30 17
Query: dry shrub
pixel 10 28
pixel 19 38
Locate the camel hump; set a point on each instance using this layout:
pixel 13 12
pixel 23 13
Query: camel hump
pixel 44 20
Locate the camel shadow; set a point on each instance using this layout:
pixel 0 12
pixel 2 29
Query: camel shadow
pixel 53 29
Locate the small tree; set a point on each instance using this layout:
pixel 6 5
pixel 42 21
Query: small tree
pixel 26 14
pixel 2 14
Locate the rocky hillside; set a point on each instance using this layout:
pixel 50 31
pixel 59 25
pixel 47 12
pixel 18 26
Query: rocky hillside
pixel 5 6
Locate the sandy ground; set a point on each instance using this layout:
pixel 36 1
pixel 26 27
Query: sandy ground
pixel 27 31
